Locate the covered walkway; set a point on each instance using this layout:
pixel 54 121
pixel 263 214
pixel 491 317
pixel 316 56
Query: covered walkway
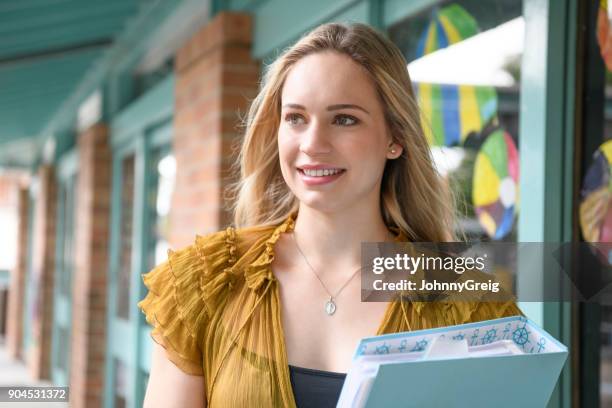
pixel 15 373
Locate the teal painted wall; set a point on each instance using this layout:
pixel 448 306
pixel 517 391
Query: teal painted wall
pixel 279 23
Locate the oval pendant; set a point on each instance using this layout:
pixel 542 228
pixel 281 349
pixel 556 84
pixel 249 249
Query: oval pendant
pixel 330 307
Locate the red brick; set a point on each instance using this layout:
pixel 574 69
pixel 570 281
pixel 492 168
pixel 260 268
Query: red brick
pixel 90 280
pixel 225 29
pixel 216 80
pixel 238 56
pixel 43 259
pixel 17 285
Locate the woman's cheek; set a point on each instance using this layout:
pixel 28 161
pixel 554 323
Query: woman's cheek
pixel 286 158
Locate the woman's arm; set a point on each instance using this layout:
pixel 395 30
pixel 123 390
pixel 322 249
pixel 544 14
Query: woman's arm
pixel 169 387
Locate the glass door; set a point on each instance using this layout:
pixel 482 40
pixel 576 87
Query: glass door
pixel 28 310
pixel 595 191
pixel 143 176
pixel 120 285
pixel 64 267
pixel 160 185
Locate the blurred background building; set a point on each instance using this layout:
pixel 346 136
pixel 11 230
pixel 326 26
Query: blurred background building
pixel 119 119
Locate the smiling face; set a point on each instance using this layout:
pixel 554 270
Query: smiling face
pixel 332 139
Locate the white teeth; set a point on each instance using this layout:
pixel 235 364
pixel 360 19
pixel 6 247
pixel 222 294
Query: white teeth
pixel 321 172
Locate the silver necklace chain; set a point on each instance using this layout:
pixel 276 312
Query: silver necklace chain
pixel 330 305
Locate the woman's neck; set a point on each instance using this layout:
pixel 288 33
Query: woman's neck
pixel 332 241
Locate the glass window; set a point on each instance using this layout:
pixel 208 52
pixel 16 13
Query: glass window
pixel 161 178
pixel 67 261
pixel 63 349
pixel 8 224
pixel 28 310
pixel 120 388
pixel 64 274
pixel 125 258
pixel 470 109
pixel 144 81
pixel 595 208
pixel 160 194
pixel 145 379
pixel 605 369
pixel 63 262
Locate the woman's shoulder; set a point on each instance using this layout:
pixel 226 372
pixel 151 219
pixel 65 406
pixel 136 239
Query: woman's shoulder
pixel 209 255
pixel 229 245
pixel 241 245
pixel 194 283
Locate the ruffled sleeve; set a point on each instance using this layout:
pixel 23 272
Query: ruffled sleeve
pixel 183 295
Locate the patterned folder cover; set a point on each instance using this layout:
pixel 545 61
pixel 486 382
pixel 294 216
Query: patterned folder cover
pixel 524 380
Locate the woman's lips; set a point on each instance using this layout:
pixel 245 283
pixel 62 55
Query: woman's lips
pixel 319 180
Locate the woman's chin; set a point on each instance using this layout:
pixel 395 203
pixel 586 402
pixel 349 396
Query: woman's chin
pixel 324 202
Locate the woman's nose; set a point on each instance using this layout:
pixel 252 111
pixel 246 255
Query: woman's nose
pixel 315 140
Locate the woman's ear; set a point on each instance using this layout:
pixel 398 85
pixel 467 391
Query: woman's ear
pixel 394 150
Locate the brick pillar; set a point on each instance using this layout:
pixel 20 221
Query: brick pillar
pixel 216 79
pixel 91 265
pixel 43 268
pixel 14 329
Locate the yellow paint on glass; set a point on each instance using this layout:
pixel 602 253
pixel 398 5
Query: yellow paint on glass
pixel 488 223
pixel 451 32
pixel 606 149
pixel 486 182
pixel 426 110
pixel 432 39
pixel 469 111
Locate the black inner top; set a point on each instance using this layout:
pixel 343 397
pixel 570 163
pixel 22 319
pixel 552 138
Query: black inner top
pixel 315 388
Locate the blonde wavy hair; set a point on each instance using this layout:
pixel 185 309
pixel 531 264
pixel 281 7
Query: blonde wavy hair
pixel 414 198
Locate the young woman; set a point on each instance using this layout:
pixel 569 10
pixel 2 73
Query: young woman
pixel 268 313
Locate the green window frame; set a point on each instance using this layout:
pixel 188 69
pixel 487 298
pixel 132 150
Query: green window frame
pixel 64 268
pixel 144 126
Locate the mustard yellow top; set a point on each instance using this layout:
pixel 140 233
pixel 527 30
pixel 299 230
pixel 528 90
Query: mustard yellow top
pixel 215 307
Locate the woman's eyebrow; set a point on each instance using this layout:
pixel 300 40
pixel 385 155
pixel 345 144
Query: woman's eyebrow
pixel 346 106
pixel 294 106
pixel 329 108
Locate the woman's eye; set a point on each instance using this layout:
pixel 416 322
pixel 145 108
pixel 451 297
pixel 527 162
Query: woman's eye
pixel 345 120
pixel 294 119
